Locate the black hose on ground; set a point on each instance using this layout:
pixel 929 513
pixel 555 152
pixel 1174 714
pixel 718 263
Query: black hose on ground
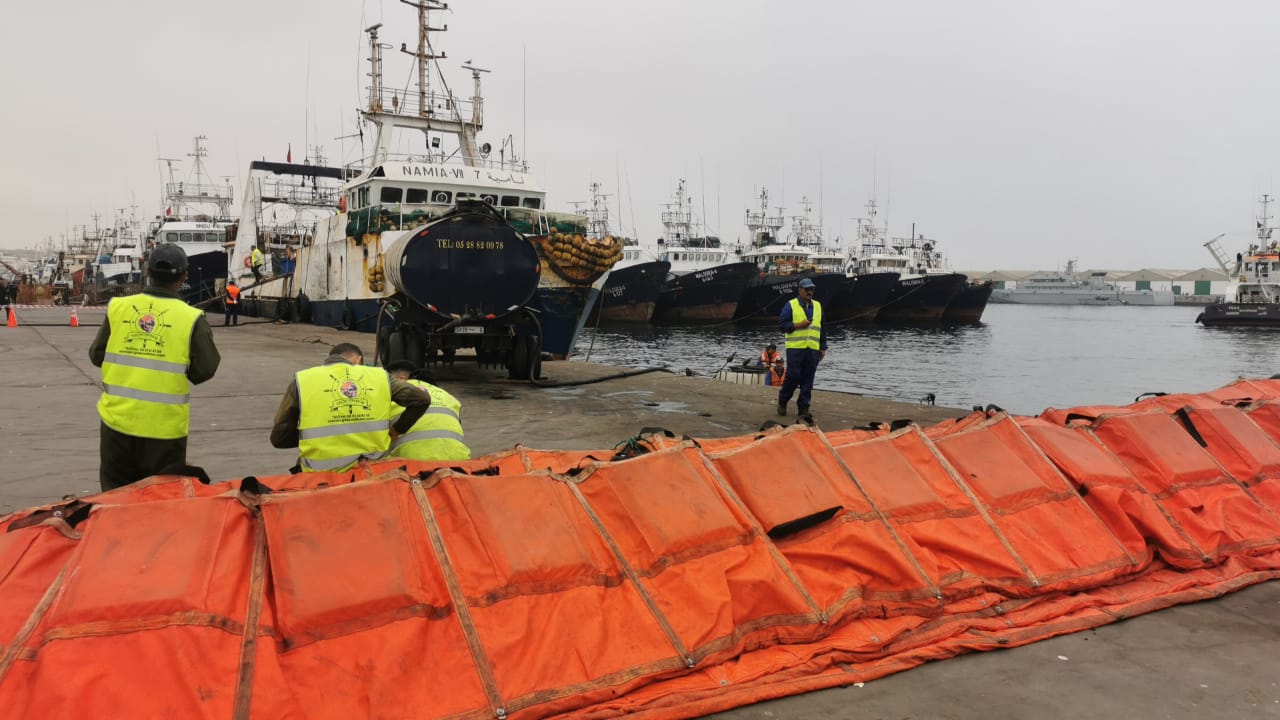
pixel 619 376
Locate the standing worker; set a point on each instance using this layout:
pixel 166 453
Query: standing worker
pixel 801 320
pixel 339 413
pixel 232 301
pixel 438 435
pixel 152 347
pixel 256 262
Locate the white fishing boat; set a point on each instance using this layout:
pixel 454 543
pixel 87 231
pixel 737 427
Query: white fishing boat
pixel 365 267
pixel 197 218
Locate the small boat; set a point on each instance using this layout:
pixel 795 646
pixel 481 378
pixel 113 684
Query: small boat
pixel 705 283
pixel 1255 273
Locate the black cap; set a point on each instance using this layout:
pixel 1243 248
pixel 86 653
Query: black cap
pixel 403 366
pixel 771 346
pixel 167 259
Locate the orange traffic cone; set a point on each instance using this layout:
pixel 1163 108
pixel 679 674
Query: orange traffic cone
pixel 75 322
pixel 13 317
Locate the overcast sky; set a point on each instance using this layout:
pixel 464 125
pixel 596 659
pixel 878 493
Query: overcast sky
pixel 1017 133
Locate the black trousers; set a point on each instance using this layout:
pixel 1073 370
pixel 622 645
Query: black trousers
pixel 233 314
pixel 127 459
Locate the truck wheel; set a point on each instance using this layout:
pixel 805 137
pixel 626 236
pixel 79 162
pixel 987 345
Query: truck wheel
pixel 396 350
pixel 519 360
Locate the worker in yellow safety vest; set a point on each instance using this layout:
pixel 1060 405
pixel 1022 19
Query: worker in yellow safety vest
pixel 438 435
pixel 340 412
pixel 256 261
pixel 801 320
pixel 152 348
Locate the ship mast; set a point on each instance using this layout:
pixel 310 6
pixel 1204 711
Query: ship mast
pixel 433 112
pixel 763 226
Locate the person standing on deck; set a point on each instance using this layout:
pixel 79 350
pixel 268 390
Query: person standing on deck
pixel 340 412
pixel 801 320
pixel 152 347
pixel 256 261
pixel 232 301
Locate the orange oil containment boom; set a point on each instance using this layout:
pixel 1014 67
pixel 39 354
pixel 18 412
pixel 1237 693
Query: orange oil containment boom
pixel 669 577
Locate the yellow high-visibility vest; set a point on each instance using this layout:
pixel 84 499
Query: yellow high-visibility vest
pixel 145 391
pixel 438 434
pixel 342 418
pixel 809 338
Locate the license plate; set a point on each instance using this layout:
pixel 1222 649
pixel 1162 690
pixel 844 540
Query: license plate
pixel 469 330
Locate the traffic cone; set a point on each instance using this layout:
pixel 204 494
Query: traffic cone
pixel 13 317
pixel 75 322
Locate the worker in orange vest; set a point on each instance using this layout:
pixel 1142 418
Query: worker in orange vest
pixel 771 360
pixel 232 303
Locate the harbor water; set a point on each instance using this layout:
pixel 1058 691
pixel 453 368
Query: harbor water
pixel 1023 358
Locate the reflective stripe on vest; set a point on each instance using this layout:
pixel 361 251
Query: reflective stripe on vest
pixel 438 433
pixel 809 338
pixel 342 416
pixel 145 391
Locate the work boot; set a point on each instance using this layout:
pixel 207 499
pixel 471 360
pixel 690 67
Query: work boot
pixel 782 408
pixel 802 410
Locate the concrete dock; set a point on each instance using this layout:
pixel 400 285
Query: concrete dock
pixel 1212 659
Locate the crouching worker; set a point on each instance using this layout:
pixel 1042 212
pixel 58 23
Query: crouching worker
pixel 340 412
pixel 438 435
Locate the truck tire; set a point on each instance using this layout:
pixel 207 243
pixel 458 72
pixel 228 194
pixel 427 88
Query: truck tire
pixel 518 363
pixel 396 350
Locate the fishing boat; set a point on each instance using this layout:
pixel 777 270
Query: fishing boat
pixel 916 296
pixel 968 305
pixel 868 286
pixel 781 265
pixel 346 275
pixel 630 293
pixel 197 218
pixel 706 281
pixel 1255 297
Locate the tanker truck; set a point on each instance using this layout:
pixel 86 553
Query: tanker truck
pixel 463 281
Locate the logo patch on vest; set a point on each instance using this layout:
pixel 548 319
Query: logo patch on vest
pixel 349 399
pixel 146 331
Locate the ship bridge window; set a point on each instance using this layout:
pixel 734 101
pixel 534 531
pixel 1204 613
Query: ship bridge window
pixel 417 196
pixel 390 194
pixel 490 199
pixel 510 201
pixel 184 237
pixel 533 203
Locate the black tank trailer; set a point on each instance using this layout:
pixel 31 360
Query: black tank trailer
pixel 463 281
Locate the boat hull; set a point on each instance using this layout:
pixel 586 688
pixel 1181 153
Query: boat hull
pixel 923 298
pixel 1240 315
pixel 704 296
pixel 968 305
pixel 630 294
pixel 764 297
pixel 862 297
pixel 205 273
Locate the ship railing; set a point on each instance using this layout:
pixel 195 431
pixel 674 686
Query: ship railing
pixel 440 106
pixel 281 191
pixel 198 192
